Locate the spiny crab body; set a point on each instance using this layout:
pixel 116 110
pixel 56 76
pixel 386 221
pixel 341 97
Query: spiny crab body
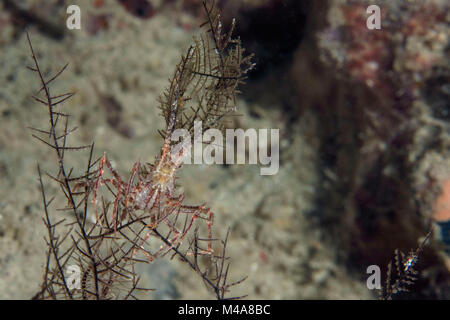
pixel 159 181
pixel 153 193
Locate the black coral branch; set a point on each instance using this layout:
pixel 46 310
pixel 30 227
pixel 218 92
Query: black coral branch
pixel 104 267
pixel 205 83
pixel 401 271
pixel 141 214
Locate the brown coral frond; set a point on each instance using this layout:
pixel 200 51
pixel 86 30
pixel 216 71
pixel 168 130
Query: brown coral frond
pixel 135 211
pixel 205 82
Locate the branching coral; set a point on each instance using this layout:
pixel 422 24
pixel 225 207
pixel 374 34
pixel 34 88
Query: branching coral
pixel 141 214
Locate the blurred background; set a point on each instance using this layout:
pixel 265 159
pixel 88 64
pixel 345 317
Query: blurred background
pixel 364 136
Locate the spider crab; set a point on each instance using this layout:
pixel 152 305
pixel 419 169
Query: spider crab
pixel 153 193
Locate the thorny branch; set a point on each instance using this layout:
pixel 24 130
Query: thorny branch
pixel 145 206
pixel 405 273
